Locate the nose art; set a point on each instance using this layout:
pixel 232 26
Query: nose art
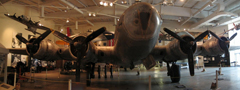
pixel 144 18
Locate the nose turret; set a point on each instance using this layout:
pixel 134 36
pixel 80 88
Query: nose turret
pixel 144 19
pixel 141 21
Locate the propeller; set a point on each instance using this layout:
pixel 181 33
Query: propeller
pixel 80 44
pixel 187 46
pixel 224 44
pixel 33 45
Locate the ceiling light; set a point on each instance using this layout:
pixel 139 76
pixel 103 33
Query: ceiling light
pixel 122 2
pixel 67 21
pixel 40 24
pixel 184 29
pixel 94 14
pixel 111 4
pixel 65 10
pixel 234 16
pixel 179 20
pixel 175 29
pixel 118 19
pixel 90 14
pixel 61 30
pixel 181 0
pixel 101 3
pixel 165 2
pixel 105 4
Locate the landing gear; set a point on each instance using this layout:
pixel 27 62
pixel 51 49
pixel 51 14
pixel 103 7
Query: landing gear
pixel 125 69
pixel 138 72
pixel 90 73
pixel 99 76
pixel 174 72
pixel 92 70
pixel 88 76
pixel 105 71
pixel 78 71
pixel 111 72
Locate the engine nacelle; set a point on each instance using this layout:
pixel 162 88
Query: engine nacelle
pixel 71 53
pixel 46 50
pixel 213 47
pixel 176 50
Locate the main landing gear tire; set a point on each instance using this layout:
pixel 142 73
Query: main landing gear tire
pixel 88 76
pixel 175 74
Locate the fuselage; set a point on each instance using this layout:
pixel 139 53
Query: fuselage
pixel 137 32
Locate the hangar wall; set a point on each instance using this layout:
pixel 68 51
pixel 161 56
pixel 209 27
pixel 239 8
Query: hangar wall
pixel 9 26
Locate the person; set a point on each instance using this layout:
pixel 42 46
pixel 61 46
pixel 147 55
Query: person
pixel 20 68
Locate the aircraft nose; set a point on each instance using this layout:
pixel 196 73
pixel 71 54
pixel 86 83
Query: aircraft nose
pixel 144 19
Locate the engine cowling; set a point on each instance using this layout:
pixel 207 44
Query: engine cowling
pixel 46 50
pixel 177 50
pixel 71 52
pixel 213 47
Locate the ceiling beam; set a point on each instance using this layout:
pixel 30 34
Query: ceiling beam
pixel 121 5
pixel 95 2
pixel 82 3
pixel 186 1
pixel 89 22
pixel 49 9
pixel 57 8
pixel 72 6
pixel 46 2
pixel 195 4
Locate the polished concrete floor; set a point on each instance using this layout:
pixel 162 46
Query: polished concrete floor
pixel 130 81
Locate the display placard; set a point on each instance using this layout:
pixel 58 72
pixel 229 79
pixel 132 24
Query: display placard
pixel 5 86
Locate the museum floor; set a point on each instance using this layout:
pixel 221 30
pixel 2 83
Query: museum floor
pixel 129 81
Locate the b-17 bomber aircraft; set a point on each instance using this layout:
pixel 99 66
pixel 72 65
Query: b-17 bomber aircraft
pixel 136 34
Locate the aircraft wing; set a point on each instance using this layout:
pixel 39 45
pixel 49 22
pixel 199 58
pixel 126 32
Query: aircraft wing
pixel 158 52
pixel 3 50
pixel 18 51
pixel 232 48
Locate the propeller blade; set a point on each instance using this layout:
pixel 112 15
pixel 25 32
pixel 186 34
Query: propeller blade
pixel 95 34
pixel 233 36
pixel 78 65
pixel 173 34
pixel 41 37
pixel 190 62
pixel 22 39
pixel 215 36
pixel 226 54
pixel 201 36
pixel 225 48
pixel 234 26
pixel 63 37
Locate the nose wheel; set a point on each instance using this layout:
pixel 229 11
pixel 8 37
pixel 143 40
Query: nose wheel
pixel 174 72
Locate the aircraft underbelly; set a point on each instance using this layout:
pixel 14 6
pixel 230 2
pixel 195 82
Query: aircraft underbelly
pixel 130 50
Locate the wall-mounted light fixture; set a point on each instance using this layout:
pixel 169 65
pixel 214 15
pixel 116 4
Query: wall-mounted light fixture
pixel 91 14
pixel 179 19
pixel 106 3
pixel 67 21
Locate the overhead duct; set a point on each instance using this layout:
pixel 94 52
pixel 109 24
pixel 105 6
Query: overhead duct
pixel 233 6
pixel 197 12
pixel 218 13
pixel 210 18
